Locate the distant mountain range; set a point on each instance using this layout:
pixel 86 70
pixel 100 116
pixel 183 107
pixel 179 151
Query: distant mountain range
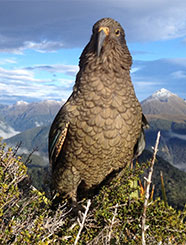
pixel 165 111
pixel 29 123
pixel 22 115
pixel 163 102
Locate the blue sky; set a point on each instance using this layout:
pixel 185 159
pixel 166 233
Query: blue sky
pixel 41 41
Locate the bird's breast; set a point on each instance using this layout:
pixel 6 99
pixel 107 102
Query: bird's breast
pixel 104 126
pixel 100 140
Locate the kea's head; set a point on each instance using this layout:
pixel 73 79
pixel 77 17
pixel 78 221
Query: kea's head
pixel 107 42
pixel 106 32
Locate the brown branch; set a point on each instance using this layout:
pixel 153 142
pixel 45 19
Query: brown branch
pixel 148 180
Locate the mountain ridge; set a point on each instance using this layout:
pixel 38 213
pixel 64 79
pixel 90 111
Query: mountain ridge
pixel 164 102
pixel 166 112
pixel 32 121
pixel 22 115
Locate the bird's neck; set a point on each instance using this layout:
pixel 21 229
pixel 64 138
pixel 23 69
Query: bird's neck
pixel 103 79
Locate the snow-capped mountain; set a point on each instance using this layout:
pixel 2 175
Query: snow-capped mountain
pixel 164 110
pixel 21 103
pixel 162 94
pixel 22 115
pixel 164 102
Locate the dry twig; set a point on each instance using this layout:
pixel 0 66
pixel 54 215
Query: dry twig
pixel 148 180
pixel 83 221
pixel 111 225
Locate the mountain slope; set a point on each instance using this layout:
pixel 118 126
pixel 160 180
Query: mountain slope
pixel 35 138
pixel 164 102
pixel 22 116
pixel 167 112
pixel 6 131
pixel 172 125
pixel 174 180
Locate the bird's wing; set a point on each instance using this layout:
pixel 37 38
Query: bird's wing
pixel 140 144
pixel 57 136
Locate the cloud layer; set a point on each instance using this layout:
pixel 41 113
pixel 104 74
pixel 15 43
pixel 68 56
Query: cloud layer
pixel 22 84
pixel 51 25
pixel 147 76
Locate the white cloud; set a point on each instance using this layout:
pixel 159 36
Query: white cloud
pixel 6 131
pixel 155 20
pixel 145 88
pixel 7 61
pixel 157 74
pixel 60 68
pixel 23 85
pixel 43 46
pixel 179 75
pixel 177 61
pixel 134 69
pixel 69 23
pixel 37 124
pixel 17 75
pixel 143 84
pixel 147 76
pixel 34 91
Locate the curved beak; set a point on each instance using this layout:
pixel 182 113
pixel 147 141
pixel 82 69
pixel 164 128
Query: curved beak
pixel 102 33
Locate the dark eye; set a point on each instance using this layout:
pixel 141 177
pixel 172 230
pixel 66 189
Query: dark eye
pixel 117 32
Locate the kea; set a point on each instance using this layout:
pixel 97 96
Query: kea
pixel 100 128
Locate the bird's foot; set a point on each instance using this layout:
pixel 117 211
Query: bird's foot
pixel 78 210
